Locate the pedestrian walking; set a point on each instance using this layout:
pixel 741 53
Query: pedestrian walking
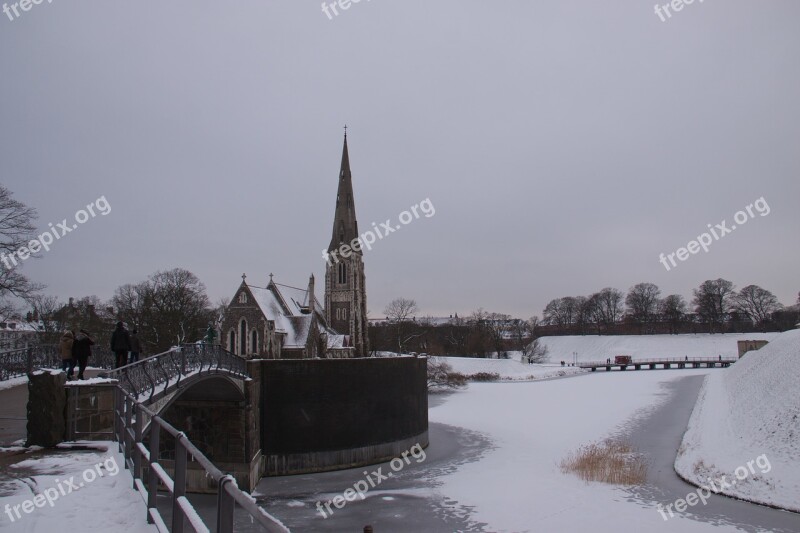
pixel 136 347
pixel 82 350
pixel 121 344
pixel 65 348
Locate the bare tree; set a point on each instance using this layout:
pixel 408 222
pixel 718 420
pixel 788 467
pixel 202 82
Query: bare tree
pixel 398 312
pixel 457 334
pixel 583 317
pixel 757 303
pixel 441 376
pixel 491 329
pixel 606 308
pixel 713 301
pixel 642 302
pixel 170 308
pixel 16 231
pixel 45 309
pixel 537 352
pixel 673 308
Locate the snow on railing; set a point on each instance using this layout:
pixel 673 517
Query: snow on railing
pixel 129 418
pixel 22 361
pixel 154 375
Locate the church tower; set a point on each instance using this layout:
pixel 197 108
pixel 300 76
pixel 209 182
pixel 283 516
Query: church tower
pixel 345 288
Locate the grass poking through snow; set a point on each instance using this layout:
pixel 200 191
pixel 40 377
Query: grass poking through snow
pixel 611 461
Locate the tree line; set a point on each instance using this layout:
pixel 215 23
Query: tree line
pixel 168 308
pixel 716 307
pixel 481 334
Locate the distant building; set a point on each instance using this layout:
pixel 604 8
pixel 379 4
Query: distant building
pixel 747 346
pixel 16 333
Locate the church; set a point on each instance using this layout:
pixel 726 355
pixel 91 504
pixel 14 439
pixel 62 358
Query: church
pixel 284 322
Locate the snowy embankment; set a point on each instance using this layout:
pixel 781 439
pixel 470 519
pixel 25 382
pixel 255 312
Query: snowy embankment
pixel 508 369
pixel 746 412
pixel 601 347
pixel 74 491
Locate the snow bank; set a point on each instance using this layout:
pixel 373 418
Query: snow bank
pixel 509 369
pixel 13 382
pixel 600 347
pixel 747 411
pixel 89 491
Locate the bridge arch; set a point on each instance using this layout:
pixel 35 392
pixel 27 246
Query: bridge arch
pixel 212 413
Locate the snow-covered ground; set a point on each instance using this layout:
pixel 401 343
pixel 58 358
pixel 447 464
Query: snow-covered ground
pixel 601 347
pixel 89 491
pixel 518 486
pixel 744 413
pixel 509 369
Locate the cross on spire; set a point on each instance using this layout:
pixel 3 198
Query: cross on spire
pixel 345 130
pixel 244 277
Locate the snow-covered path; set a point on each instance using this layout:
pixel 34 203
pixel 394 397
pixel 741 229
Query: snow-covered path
pixel 75 491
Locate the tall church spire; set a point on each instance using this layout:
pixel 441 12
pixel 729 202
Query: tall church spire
pixel 345 281
pixel 345 226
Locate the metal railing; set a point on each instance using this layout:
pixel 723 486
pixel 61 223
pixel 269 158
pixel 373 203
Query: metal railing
pixel 22 361
pixel 659 360
pixel 129 428
pixel 155 375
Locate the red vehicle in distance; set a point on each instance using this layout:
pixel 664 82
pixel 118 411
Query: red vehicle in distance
pixel 623 359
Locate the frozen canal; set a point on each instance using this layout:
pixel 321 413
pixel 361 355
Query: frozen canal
pixel 493 465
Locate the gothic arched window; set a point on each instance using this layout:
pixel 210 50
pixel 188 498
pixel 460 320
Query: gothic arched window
pixel 243 338
pixel 243 298
pixel 232 341
pixel 342 273
pixel 254 341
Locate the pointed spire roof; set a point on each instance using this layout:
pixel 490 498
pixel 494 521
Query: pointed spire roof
pixel 345 226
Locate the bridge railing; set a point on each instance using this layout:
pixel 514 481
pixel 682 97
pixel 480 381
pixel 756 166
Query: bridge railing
pixel 648 360
pixel 152 376
pixel 21 361
pixel 129 428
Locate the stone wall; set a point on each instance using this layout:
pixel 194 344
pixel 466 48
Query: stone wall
pixel 47 406
pixel 328 414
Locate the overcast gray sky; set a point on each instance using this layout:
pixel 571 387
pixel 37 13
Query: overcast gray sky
pixel 564 144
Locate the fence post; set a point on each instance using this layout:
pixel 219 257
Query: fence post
pixel 29 360
pixel 118 416
pixel 152 486
pixel 179 484
pixel 137 454
pixel 225 506
pixel 126 429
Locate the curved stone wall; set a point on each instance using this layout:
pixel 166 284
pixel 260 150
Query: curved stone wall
pixel 330 414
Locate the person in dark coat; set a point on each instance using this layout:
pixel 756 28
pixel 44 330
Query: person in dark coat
pixel 65 349
pixel 121 344
pixel 82 350
pixel 136 347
